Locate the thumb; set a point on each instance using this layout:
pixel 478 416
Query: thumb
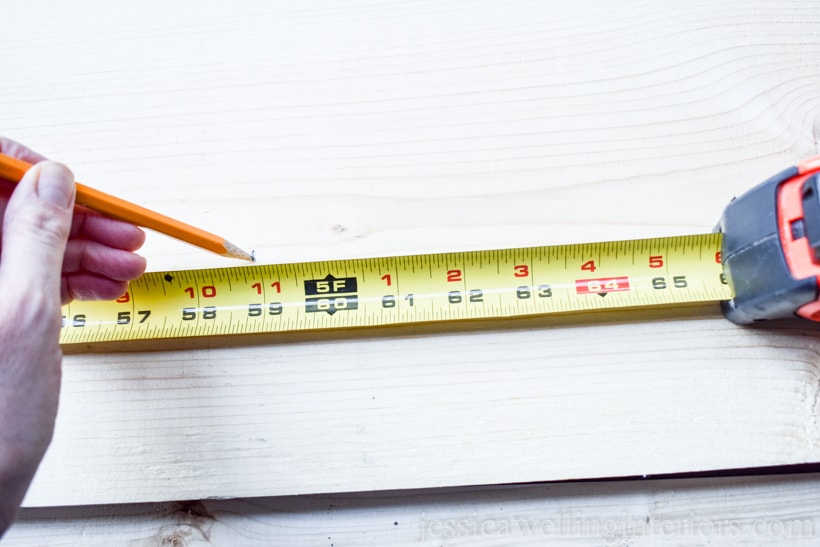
pixel 36 227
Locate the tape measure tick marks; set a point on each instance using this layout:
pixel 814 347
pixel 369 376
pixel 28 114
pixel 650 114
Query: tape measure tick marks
pixel 405 289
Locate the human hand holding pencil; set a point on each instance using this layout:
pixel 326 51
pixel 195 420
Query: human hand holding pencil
pixel 98 261
pixel 51 253
pixel 13 168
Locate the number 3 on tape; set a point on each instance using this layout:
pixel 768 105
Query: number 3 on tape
pixel 405 289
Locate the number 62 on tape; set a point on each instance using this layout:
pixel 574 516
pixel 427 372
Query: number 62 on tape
pixel 405 289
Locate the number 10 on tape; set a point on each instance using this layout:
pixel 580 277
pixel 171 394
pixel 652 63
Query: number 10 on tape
pixel 405 289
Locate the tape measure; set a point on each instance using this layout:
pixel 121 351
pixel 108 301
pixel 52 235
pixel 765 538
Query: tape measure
pixel 405 289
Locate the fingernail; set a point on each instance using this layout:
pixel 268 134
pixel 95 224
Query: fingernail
pixel 56 184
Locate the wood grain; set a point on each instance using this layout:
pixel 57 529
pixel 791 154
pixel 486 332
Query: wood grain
pixel 312 132
pixel 767 510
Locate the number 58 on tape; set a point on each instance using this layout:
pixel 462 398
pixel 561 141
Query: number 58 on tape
pixel 405 289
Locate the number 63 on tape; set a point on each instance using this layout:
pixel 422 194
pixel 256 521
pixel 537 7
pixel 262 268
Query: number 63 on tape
pixel 405 289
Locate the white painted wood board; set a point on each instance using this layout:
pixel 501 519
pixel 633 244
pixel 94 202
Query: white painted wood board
pixel 319 131
pixel 766 510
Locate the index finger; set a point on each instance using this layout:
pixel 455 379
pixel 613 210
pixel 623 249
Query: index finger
pixel 108 231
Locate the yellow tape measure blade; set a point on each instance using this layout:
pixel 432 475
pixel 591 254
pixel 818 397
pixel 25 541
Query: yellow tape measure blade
pixel 406 289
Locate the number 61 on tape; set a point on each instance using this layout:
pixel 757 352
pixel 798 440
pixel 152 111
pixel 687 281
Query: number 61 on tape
pixel 405 289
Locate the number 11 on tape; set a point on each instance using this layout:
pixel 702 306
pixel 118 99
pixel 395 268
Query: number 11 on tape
pixel 405 289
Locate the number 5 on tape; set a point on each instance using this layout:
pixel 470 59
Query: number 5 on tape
pixel 405 289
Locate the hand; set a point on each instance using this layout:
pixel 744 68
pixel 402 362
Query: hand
pixel 98 261
pixel 51 252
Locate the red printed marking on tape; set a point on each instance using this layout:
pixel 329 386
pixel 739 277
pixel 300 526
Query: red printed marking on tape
pixel 601 285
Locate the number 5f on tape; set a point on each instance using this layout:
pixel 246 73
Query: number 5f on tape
pixel 405 289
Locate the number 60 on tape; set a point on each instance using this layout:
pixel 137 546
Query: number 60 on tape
pixel 405 289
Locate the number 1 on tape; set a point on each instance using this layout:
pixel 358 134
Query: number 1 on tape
pixel 405 289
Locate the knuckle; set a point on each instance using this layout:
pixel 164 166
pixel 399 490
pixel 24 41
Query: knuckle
pixel 44 226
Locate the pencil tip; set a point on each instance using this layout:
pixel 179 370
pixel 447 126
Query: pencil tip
pixel 233 251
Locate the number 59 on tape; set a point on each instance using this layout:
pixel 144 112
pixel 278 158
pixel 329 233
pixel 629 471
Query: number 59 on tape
pixel 405 289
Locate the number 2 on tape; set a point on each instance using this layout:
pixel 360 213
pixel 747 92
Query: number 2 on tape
pixel 405 289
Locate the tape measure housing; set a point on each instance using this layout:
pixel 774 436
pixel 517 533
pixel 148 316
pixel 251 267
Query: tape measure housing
pixel 405 289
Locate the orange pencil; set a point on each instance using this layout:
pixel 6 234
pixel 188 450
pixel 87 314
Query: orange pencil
pixel 13 169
